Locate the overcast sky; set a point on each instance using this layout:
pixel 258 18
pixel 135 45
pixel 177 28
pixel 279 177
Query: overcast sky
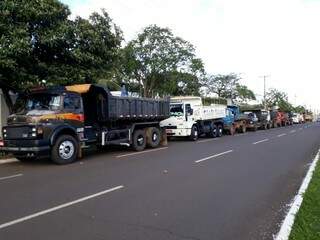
pixel 278 38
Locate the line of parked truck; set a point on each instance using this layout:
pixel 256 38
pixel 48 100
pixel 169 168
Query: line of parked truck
pixel 59 122
pixel 189 117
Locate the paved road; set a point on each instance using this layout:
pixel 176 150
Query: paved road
pixel 228 188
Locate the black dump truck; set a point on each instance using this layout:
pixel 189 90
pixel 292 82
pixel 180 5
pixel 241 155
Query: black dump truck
pixel 59 122
pixel 260 118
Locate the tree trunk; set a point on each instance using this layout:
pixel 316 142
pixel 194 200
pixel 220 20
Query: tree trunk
pixel 7 99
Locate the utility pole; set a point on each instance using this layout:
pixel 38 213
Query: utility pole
pixel 264 90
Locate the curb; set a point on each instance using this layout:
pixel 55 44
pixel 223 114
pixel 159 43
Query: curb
pixel 288 222
pixel 10 160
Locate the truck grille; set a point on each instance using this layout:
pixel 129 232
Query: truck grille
pixel 22 132
pixel 171 127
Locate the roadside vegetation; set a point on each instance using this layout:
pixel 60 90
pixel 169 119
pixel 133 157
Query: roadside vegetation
pixel 307 222
pixel 42 43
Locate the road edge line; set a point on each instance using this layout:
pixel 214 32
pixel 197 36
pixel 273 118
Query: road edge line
pixel 288 222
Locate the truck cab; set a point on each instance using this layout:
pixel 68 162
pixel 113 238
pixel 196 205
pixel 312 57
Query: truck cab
pixel 189 117
pixel 44 118
pixel 181 119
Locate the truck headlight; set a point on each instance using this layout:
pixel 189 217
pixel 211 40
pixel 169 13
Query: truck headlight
pixel 40 131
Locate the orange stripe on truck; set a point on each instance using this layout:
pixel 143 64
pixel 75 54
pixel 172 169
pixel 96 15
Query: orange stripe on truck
pixel 64 116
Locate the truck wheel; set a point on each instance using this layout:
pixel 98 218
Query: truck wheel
pixel 139 140
pixel 232 130
pixel 214 131
pixel 243 129
pixel 220 131
pixel 194 133
pixel 64 150
pixel 153 137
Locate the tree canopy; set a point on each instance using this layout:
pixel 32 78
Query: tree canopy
pixel 228 86
pixel 278 98
pixel 39 42
pixel 160 63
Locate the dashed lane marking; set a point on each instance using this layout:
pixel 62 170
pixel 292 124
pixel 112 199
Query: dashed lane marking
pixel 38 214
pixel 143 152
pixel 12 176
pixel 213 156
pixel 261 141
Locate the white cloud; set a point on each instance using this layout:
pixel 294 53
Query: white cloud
pixel 279 38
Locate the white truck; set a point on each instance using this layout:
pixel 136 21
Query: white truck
pixel 297 118
pixel 190 118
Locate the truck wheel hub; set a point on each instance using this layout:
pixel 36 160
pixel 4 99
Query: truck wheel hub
pixel 140 140
pixel 66 149
pixel 154 137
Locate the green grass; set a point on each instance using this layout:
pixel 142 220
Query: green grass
pixel 307 222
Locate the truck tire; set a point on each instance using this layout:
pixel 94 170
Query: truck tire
pixel 243 129
pixel 213 131
pixel 65 150
pixel 194 133
pixel 153 137
pixel 139 140
pixel 219 131
pixel 232 130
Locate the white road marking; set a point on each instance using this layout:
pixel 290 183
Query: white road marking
pixel 207 140
pixel 136 153
pixel 5 225
pixel 261 141
pixel 8 160
pixel 287 224
pixel 281 135
pixel 300 128
pixel 292 131
pixel 12 176
pixel 240 134
pixel 213 156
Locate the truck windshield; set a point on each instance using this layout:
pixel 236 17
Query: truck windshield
pixel 39 101
pixel 176 110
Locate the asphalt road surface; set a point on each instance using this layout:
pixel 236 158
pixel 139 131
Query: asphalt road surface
pixel 234 187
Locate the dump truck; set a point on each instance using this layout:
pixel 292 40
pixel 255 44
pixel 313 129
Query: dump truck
pixel 190 118
pixel 263 118
pixel 60 122
pixel 276 118
pixel 235 121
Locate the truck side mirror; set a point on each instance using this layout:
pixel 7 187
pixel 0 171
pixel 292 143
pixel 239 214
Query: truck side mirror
pixel 190 111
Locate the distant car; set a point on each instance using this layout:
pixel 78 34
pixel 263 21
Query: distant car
pixel 318 119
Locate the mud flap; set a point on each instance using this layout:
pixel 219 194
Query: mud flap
pixel 164 139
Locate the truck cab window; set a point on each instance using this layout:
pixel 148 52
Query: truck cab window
pixel 73 103
pixel 176 110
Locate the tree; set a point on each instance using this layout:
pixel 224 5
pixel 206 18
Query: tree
pixel 160 63
pixel 277 98
pixel 228 86
pixel 244 93
pixel 39 42
pixel 225 86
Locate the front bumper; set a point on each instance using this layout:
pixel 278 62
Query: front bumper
pixel 26 148
pixel 179 132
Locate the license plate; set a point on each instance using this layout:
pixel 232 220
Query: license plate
pixel 169 131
